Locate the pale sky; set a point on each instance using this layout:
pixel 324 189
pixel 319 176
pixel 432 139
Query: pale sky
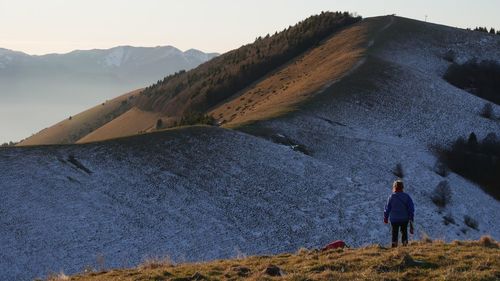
pixel 58 26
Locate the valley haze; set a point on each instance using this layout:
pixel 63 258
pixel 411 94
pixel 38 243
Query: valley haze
pixel 37 91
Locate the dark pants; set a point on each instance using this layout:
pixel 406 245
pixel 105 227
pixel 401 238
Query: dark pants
pixel 396 227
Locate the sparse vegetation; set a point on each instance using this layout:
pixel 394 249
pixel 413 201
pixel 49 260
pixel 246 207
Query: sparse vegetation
pixel 442 194
pixel 449 56
pixel 398 171
pixel 441 169
pixel 72 159
pixel 470 222
pixel 477 161
pixel 156 262
pixel 294 145
pixel 479 78
pixel 487 241
pixel 195 118
pixel 448 219
pixel 486 30
pixel 487 111
pixel 10 143
pixel 213 82
pixel 432 260
pixel 58 277
pixel 159 124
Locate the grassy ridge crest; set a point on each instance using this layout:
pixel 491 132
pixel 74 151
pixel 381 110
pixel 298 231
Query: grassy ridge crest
pixel 422 260
pixel 211 83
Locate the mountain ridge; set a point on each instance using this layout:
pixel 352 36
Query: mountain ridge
pixel 7 51
pixel 317 173
pixel 198 90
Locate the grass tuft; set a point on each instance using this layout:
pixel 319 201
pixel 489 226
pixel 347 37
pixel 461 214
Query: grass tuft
pixel 156 262
pixel 487 241
pixel 58 277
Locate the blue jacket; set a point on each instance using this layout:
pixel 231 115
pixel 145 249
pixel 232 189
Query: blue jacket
pixel 399 208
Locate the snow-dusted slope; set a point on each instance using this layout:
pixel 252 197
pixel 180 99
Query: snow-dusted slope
pixel 396 108
pixel 192 194
pixel 203 193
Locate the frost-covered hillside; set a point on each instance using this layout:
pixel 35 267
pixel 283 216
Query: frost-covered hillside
pixel 202 193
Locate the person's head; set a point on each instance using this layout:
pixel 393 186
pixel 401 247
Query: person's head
pixel 397 186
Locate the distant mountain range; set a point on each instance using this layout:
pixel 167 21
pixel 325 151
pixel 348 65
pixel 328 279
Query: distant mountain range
pixel 78 79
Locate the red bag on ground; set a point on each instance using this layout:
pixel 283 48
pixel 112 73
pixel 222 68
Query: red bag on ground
pixel 335 245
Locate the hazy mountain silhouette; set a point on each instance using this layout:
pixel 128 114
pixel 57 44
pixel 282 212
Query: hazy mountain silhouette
pixel 53 86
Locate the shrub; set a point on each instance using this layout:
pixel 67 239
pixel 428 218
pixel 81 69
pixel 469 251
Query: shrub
pixel 159 124
pixel 441 169
pixel 398 171
pixel 448 219
pixel 449 56
pixel 196 118
pixel 302 251
pixel 10 143
pixel 472 141
pixel 442 194
pixel 470 222
pixel 487 241
pixel 426 238
pixel 487 111
pixel 156 262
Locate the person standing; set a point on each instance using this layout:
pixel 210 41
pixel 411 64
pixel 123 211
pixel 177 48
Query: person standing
pixel 399 210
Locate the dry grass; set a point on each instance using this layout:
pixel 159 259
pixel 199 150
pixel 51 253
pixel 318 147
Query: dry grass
pixel 58 277
pixel 69 131
pixel 466 260
pixel 487 241
pixel 276 94
pixel 281 91
pixel 156 262
pixel 129 123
